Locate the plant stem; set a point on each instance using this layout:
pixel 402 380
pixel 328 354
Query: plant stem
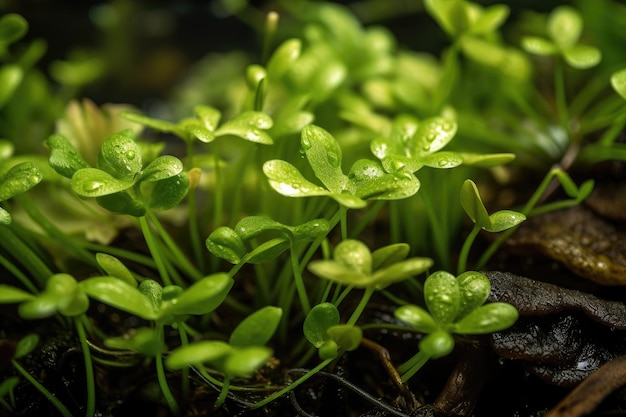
pixel 162 378
pixel 154 250
pixel 292 386
pixel 22 251
pixel 223 393
pixel 50 396
pixel 369 291
pixel 560 96
pixel 297 276
pixel 89 375
pixel 410 367
pixel 463 255
pixel 15 271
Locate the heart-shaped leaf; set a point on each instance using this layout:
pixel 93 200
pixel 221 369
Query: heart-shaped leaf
pixel 92 182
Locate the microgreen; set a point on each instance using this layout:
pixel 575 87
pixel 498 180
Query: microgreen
pixel 18 179
pixel 323 330
pixel 454 306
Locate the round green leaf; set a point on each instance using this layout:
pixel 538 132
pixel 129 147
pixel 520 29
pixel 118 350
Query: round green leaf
pixel 169 192
pixel 355 255
pixel 20 178
pixel 443 297
pixel 242 362
pixel 10 78
pixel 437 344
pixel 92 182
pixel 256 329
pixel 538 46
pixel 165 166
pixel 120 156
pixel 417 317
pixel 203 296
pixel 565 26
pixel 475 288
pixel 432 134
pixel 225 243
pixel 489 318
pixel 197 353
pixel 368 180
pixel 504 219
pixel 346 336
pixel 582 56
pixel 618 82
pixel 321 318
pixel 12 28
pixel 118 294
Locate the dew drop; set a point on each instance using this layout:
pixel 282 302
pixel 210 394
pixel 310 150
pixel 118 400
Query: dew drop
pixel 130 154
pixel 443 162
pixel 305 144
pixel 333 159
pixel 92 186
pixel 431 136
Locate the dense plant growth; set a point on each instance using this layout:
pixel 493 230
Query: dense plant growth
pixel 236 248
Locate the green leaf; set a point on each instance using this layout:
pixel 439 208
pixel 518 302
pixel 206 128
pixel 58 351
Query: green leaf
pixel 489 318
pixel 368 180
pixel 347 337
pixel 9 295
pixel 252 226
pixel 93 182
pixel 443 296
pixel 618 82
pixel 486 160
pixel 12 28
pixel 437 344
pixel 321 318
pixel 153 291
pixel 122 203
pixel 473 205
pixel 400 271
pixel 355 255
pixel 203 296
pixel 242 362
pixel 334 271
pixel 118 294
pixel 114 267
pixel 503 220
pixel 432 134
pixel 225 243
pixel 442 160
pixel 388 255
pixel 5 217
pixel 197 353
pixel 165 166
pixel 144 340
pixel 324 155
pixel 287 180
pixel 156 124
pixel 120 156
pixel 475 288
pixel 311 230
pixel 26 345
pixel 417 317
pixel 256 329
pixel 168 193
pixel 250 126
pixel 20 178
pixel 490 19
pixel 10 79
pixel 283 58
pixel 582 56
pixel 268 250
pixel 209 116
pixel 565 26
pixel 64 158
pixel 538 46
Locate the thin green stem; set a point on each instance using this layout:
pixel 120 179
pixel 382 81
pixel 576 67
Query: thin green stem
pixel 293 385
pixel 184 341
pixel 560 96
pixel 367 294
pixel 464 254
pixel 154 250
pixel 223 393
pixel 299 282
pixel 50 396
pixel 122 253
pixel 17 273
pixel 192 208
pixel 410 367
pixel 13 244
pixel 89 374
pixel 162 378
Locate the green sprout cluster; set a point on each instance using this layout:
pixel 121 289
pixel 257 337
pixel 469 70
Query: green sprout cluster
pixel 342 167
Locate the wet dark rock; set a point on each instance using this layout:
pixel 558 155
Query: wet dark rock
pixel 585 243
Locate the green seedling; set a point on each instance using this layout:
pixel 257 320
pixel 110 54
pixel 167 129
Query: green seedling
pixel 323 330
pixel 355 266
pixel 18 179
pixel 414 144
pixel 121 183
pixel 367 180
pixel 455 305
pixel 497 222
pixel 233 245
pixel 618 82
pixel 244 353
